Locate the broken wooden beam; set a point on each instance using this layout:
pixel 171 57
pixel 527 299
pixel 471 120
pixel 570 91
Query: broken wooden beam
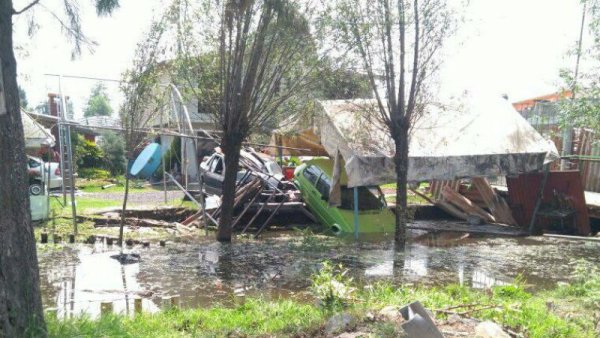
pixel 497 205
pixel 466 205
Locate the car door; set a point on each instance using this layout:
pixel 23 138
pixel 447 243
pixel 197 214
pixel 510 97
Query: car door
pixel 323 187
pixel 213 177
pixel 312 195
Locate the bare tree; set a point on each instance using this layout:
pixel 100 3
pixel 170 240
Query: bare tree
pixel 397 42
pixel 263 62
pixel 20 301
pixel 143 101
pixel 242 71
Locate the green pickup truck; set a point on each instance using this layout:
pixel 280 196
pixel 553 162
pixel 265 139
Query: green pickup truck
pixel 313 179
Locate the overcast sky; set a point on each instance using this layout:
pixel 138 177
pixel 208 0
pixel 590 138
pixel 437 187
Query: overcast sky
pixel 513 47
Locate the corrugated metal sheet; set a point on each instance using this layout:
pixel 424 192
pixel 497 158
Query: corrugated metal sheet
pixel 590 170
pixel 523 190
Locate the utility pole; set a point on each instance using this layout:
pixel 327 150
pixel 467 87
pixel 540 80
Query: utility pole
pixel 567 144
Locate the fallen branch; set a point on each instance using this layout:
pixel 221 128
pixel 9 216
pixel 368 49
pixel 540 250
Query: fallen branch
pixel 467 312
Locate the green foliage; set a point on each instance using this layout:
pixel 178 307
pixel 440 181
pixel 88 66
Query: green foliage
pixel 337 82
pixel 106 7
pixel 23 98
pixel 584 109
pixel 86 154
pixel 586 285
pixel 98 104
pixel 508 305
pixel 94 173
pixel 332 287
pixel 253 318
pixel 113 147
pixel 311 242
pixel 92 155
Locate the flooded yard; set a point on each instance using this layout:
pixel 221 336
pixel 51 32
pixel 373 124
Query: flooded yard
pixel 202 272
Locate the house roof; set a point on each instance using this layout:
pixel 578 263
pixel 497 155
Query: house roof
pixel 530 103
pixel 35 134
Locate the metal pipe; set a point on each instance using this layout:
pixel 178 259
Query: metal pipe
pixel 171 133
pixel 184 191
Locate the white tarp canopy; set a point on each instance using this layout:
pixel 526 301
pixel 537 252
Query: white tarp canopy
pixel 36 135
pixel 478 137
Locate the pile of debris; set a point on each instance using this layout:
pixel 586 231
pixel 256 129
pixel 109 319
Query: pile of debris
pixel 477 204
pixel 261 192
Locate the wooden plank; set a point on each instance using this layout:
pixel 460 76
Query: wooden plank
pixel 466 205
pixel 452 210
pixel 497 205
pixel 448 226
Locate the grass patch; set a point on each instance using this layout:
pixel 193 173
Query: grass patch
pixel 570 315
pixel 254 317
pixel 95 185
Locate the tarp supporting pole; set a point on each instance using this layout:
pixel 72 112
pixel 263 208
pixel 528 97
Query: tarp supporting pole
pixel 356 223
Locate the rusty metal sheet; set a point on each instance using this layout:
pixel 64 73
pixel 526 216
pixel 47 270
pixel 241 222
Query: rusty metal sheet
pixel 523 190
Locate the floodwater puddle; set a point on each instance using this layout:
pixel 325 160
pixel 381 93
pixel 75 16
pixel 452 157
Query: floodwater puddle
pixel 78 278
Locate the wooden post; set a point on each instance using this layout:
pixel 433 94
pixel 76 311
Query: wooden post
pixel 109 241
pixel 203 221
pixel 44 237
pixel 146 244
pixel 137 305
pixel 356 223
pixel 106 308
pixel 166 302
pixel 57 239
pixel 71 238
pixel 175 301
pixel 3 109
pixel 163 242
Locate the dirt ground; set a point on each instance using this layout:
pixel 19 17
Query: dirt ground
pixel 143 197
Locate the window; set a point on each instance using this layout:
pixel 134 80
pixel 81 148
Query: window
pixel 33 163
pixel 273 168
pixel 323 186
pixel 369 198
pixel 216 166
pixel 312 173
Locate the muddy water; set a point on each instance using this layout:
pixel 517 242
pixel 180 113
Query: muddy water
pixel 77 279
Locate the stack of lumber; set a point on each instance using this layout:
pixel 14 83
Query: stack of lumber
pixel 482 202
pixel 243 194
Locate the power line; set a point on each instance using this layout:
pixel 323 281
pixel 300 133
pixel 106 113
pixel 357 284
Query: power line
pixel 85 78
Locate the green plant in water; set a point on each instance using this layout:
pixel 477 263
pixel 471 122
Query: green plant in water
pixel 310 242
pixel 332 287
pixel 586 284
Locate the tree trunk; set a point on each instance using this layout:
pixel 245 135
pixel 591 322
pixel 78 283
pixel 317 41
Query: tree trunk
pixel 124 209
pixel 20 301
pixel 401 162
pixel 232 159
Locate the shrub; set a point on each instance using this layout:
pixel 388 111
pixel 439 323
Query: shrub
pixel 332 287
pixel 113 146
pixel 94 173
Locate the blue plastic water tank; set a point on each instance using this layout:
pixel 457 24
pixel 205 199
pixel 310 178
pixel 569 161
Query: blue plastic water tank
pixel 147 162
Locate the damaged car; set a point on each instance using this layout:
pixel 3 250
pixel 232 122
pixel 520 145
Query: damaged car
pixel 314 179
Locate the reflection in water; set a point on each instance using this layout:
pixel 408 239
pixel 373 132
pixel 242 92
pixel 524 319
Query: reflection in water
pixel 88 277
pixel 75 280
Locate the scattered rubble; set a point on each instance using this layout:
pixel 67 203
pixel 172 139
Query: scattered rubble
pixel 489 329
